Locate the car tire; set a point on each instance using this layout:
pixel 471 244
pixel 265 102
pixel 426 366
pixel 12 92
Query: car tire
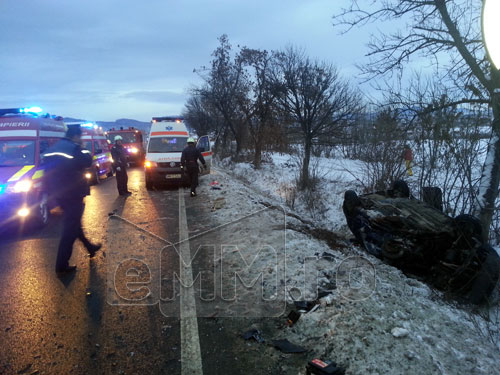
pixel 95 178
pixel 469 227
pixel 486 278
pixel 149 184
pixel 110 173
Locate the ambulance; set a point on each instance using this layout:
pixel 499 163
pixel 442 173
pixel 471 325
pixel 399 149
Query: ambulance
pixel 25 134
pixel 167 138
pixel 94 140
pixel 132 141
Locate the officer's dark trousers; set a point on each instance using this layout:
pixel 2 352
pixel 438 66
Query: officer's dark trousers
pixel 72 229
pixel 121 181
pixel 192 173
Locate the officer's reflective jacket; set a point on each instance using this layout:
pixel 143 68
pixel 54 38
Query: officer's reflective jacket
pixel 64 166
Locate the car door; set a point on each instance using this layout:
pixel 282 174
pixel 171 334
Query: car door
pixel 204 146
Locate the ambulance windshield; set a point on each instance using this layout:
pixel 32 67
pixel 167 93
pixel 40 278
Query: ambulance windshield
pixel 167 144
pixel 17 153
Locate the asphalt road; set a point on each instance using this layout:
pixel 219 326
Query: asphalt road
pixel 80 325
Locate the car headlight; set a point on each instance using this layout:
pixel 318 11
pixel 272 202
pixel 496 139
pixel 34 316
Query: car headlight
pixel 22 186
pixel 133 150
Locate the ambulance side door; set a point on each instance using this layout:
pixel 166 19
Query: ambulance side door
pixel 204 146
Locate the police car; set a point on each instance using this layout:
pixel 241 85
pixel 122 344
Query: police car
pixel 25 134
pixel 167 138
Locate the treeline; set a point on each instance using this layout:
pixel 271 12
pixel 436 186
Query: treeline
pixel 257 100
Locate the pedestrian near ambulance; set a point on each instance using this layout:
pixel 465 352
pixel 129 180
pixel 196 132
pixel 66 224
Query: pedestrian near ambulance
pixel 65 164
pixel 408 158
pixel 189 161
pixel 119 156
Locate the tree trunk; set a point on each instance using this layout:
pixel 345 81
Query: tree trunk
pixel 490 176
pixel 257 158
pixel 304 180
pixel 238 146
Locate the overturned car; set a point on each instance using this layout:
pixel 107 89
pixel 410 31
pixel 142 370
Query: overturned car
pixel 418 238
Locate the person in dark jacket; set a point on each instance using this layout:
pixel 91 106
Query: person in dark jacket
pixel 65 164
pixel 189 161
pixel 119 156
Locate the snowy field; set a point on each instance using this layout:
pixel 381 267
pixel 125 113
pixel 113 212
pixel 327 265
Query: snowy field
pixel 389 323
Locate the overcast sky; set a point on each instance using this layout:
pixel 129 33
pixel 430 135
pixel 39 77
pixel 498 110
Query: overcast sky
pixel 110 59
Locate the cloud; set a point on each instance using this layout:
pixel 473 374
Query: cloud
pixel 132 55
pixel 156 96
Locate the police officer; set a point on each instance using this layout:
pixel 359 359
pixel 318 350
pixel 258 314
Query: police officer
pixel 65 164
pixel 119 156
pixel 189 161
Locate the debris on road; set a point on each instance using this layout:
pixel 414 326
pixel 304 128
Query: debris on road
pixel 326 300
pixel 287 347
pixel 218 203
pixel 304 306
pixel 293 317
pixel 254 334
pixel 214 185
pixel 319 367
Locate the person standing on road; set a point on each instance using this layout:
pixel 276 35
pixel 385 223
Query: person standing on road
pixel 64 166
pixel 189 162
pixel 120 165
pixel 408 158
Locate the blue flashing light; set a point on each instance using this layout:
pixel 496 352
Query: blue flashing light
pixel 2 188
pixel 31 110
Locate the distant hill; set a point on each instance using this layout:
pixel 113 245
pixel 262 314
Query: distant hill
pixel 120 123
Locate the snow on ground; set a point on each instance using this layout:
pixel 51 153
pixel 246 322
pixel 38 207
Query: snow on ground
pixel 386 323
pixel 277 180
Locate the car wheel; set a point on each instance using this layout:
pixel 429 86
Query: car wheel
pixel 486 278
pixel 95 178
pixel 110 173
pixel 149 184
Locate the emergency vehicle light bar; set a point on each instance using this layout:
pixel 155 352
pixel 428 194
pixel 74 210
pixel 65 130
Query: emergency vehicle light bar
pixel 31 110
pixel 12 111
pixel 168 119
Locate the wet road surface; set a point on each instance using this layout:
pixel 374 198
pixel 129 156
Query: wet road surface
pixel 80 325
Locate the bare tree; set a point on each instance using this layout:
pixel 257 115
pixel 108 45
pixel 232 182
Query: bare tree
pixel 448 34
pixel 318 101
pixel 225 86
pixel 259 105
pixel 199 116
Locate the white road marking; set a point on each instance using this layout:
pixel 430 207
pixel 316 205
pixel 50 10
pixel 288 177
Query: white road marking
pixel 190 341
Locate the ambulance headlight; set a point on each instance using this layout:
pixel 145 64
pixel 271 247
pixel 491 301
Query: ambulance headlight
pixel 133 150
pixel 150 164
pixel 22 186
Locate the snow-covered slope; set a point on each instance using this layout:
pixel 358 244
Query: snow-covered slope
pixel 378 320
